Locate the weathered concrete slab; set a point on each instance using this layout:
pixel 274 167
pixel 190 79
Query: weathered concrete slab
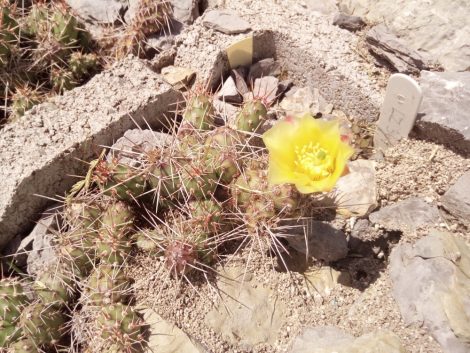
pixel 41 150
pixel 443 116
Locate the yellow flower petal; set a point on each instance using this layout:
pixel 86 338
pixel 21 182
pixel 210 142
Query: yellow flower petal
pixel 306 152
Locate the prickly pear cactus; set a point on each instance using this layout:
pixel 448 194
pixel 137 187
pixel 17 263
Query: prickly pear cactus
pixel 252 116
pixel 24 99
pixel 54 287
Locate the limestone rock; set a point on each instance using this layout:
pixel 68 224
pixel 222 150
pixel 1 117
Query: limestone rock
pixel 43 252
pixel 239 76
pixel 265 67
pixel 409 214
pixel 229 92
pixel 457 199
pixel 46 146
pixel 303 100
pixel 185 11
pixel 351 23
pixel 266 87
pixel 321 281
pixel 443 116
pixel 444 38
pixel 164 337
pixel 248 315
pixel 327 339
pixel 178 77
pixel 431 287
pixel 101 11
pixel 356 193
pixel 387 47
pixel 325 7
pixel 225 21
pixel 317 239
pixel 137 141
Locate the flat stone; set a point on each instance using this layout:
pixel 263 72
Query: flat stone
pixel 135 142
pixel 101 11
pixel 303 100
pixel 321 281
pixel 391 50
pixel 443 116
pixel 178 77
pixel 356 192
pixel 398 113
pixel 456 200
pixel 442 38
pixel 265 67
pixel 229 92
pixel 351 23
pixel 266 87
pixel 185 11
pixel 43 253
pixel 431 287
pixel 239 76
pixel 329 339
pixel 246 315
pixel 226 112
pixel 409 214
pixel 165 337
pixel 46 146
pixel 317 239
pixel 225 21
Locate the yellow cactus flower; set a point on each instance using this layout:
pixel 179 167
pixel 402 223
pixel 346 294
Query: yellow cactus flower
pixel 306 152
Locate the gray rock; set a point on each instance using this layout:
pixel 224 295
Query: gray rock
pixel 185 11
pixel 443 38
pixel 102 11
pixel 457 199
pixel 136 141
pixel 239 75
pixel 303 100
pixel 409 214
pixel 391 50
pixel 443 116
pixel 265 67
pixel 266 87
pixel 321 281
pixel 327 339
pixel 431 287
pixel 48 145
pixel 43 253
pixel 317 239
pixel 356 192
pixel 229 92
pixel 178 77
pixel 165 337
pixel 225 21
pixel 241 315
pixel 351 23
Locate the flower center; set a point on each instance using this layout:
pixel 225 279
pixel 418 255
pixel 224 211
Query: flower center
pixel 314 161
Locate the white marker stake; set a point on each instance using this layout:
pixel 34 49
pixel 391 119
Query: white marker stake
pixel 398 113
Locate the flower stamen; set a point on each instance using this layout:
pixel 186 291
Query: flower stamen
pixel 314 161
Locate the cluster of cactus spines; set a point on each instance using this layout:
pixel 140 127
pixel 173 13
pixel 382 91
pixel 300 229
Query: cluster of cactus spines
pixel 44 324
pixel 107 285
pixel 121 326
pixel 54 287
pixel 24 99
pixel 150 17
pixel 252 115
pixel 200 111
pixel 13 300
pixel 119 180
pixel 42 45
